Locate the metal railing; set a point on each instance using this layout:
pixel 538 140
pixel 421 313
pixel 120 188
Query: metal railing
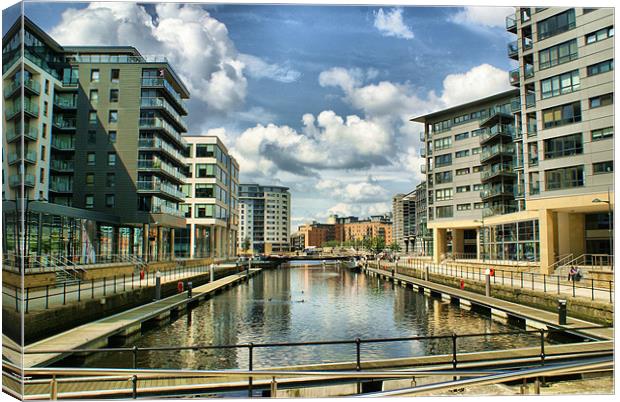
pixel 562 260
pixel 158 122
pixel 159 186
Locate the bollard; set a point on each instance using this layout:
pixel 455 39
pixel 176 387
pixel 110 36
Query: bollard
pixel 189 290
pixel 562 312
pixel 487 283
pixel 211 273
pixel 157 286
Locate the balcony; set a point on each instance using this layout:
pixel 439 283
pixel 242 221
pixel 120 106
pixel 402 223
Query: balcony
pixel 498 131
pixel 513 50
pixel 423 152
pixel 497 150
pixel 534 187
pixel 162 104
pixel 61 165
pixel 64 123
pixel 533 161
pixel 65 103
pixel 163 209
pixel 497 191
pixel 497 171
pixel 161 187
pixel 157 144
pixel 29 156
pixel 31 87
pixel 163 83
pixel 530 100
pixel 532 130
pixel 511 24
pixel 499 210
pixel 515 104
pixel 528 71
pixel 157 123
pixel 160 166
pixel 30 108
pixel 528 43
pixel 422 136
pixel 61 186
pixel 15 180
pixel 423 168
pixel 13 133
pixel 514 77
pixel 63 144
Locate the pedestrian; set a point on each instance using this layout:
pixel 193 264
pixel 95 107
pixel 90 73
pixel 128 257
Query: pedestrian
pixel 571 273
pixel 578 274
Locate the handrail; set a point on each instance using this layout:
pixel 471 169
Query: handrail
pixel 560 262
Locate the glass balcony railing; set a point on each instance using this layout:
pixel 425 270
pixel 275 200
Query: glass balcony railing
pixel 29 156
pixel 422 168
pixel 507 130
pixel 534 187
pixel 530 100
pixel 62 165
pixel 164 209
pixel 157 186
pixel 30 107
pixel 159 123
pixel 156 164
pixel 158 82
pixel 162 103
pixel 64 123
pixel 61 186
pixel 30 84
pixel 528 43
pixel 532 161
pixel 65 102
pixel 528 71
pixel 496 150
pixel 15 180
pixel 514 77
pixel 496 170
pixel 421 136
pixel 511 23
pixel 513 49
pixel 499 210
pixel 532 130
pixel 63 144
pixel 159 144
pixel 515 104
pixel 423 152
pixel 495 191
pixel 30 132
pixel 519 191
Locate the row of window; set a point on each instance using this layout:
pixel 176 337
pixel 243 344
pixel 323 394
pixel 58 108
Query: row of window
pixel 91 159
pixel 569 82
pixel 445 125
pixel 95 76
pixel 89 201
pixel 93 96
pixel 571 112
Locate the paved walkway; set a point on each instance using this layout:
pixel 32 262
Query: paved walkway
pixel 529 313
pixel 552 284
pixel 53 297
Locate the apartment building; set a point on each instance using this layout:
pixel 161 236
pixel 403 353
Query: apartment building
pixel 316 234
pixel 404 221
pixel 102 158
pixel 210 207
pixel 375 226
pixel 544 163
pixel 423 240
pixel 264 217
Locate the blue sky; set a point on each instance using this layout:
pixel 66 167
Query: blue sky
pixel 278 84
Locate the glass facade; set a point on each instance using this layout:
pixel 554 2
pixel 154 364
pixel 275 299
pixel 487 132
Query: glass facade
pixel 516 241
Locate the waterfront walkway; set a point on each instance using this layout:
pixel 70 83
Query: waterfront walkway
pixel 96 334
pixel 533 317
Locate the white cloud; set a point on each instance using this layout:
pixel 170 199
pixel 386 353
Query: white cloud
pixel 390 23
pixel 258 68
pixel 489 17
pixel 480 81
pixel 367 191
pixel 360 210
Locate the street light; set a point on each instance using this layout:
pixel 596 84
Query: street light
pixel 609 218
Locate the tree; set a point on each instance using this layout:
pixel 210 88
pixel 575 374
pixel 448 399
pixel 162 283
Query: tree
pixel 395 247
pixel 246 244
pixel 376 244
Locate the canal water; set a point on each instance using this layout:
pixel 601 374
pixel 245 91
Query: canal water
pixel 303 302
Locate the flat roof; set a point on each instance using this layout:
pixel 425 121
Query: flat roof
pixel 424 118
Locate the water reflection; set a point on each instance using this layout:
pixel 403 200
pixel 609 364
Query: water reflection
pixel 300 303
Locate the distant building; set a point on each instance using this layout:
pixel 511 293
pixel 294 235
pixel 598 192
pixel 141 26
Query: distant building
pixel 423 240
pixel 317 234
pixel 265 217
pixel 377 226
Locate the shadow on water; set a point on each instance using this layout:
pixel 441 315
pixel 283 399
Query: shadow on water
pixel 301 303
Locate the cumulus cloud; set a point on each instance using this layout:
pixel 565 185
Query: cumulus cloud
pixel 367 191
pixel 480 81
pixel 360 210
pixel 390 23
pixel 258 68
pixel 489 17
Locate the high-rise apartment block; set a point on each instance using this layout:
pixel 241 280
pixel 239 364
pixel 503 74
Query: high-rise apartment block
pixel 211 200
pixel 404 221
pixel 533 166
pixel 264 218
pixel 100 153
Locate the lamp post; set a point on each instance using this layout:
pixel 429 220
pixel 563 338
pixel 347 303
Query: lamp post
pixel 609 218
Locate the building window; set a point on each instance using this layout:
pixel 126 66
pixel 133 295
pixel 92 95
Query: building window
pixel 115 74
pixel 461 172
pixel 443 143
pixel 443 160
pixel 477 187
pixel 558 54
pixel 110 180
pixel 560 84
pixel 461 154
pixel 600 35
pixel 444 212
pixel 564 146
pixel 204 191
pixel 463 189
pixel 113 95
pixel 45 107
pixel 477 169
pixel 478 205
pixel 42 152
pixel 44 130
pixel 603 100
pixel 93 96
pixel 203 210
pixel 602 133
pixel 477 132
pixel 92 136
pixel 111 158
pixel 602 67
pixel 462 136
pixel 113 116
pixel 111 136
pixel 443 177
pixel 94 75
pixel 110 200
pixel 443 194
pixel 558 179
pixel 89 201
pixel 441 126
pixel 561 115
pixel 42 175
pixel 463 207
pixel 557 24
pixel 475 151
pixel 90 159
pixel 90 179
pixel 92 118
pixel 603 167
pixel 47 87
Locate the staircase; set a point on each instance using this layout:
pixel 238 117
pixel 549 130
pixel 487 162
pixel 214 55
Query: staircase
pixel 585 262
pixel 66 271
